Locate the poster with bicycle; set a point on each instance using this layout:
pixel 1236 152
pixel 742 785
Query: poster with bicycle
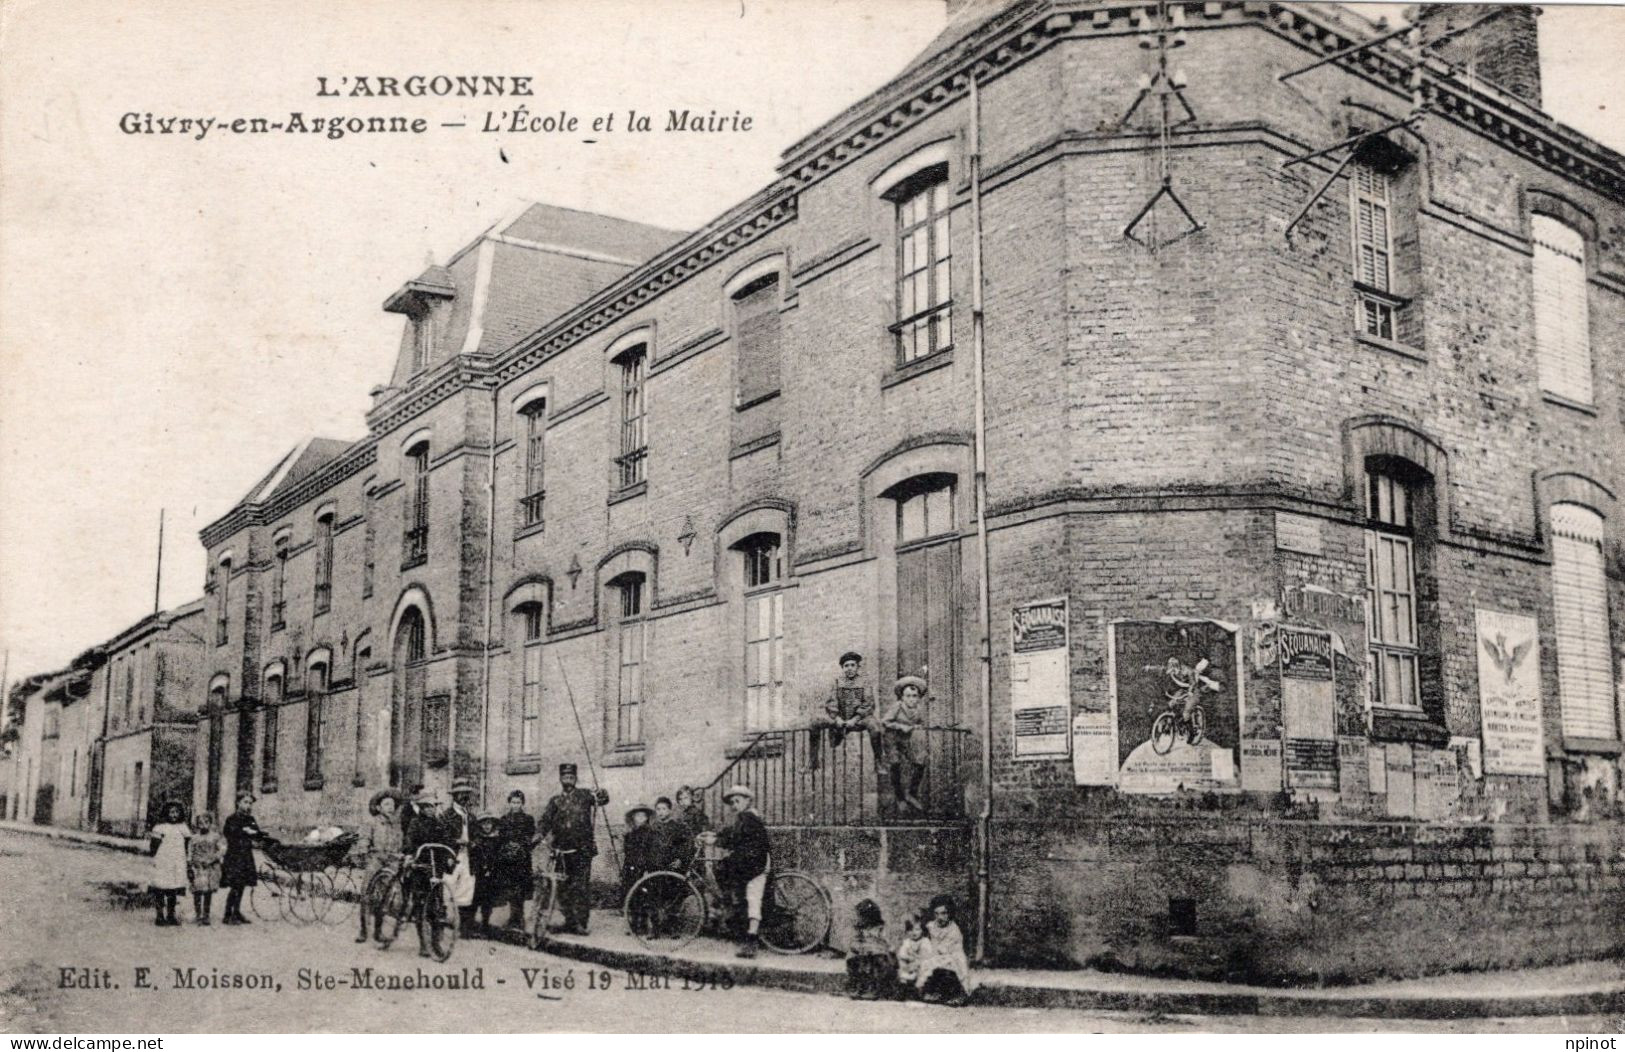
pixel 1176 701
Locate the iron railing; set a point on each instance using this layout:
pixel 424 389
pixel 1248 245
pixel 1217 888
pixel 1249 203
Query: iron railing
pixel 530 509
pixel 415 547
pixel 805 776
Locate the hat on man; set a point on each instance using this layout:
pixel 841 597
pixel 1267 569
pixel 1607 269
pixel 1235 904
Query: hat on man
pixel 567 769
pixel 851 655
pixel 380 796
pixel 461 786
pixel 909 681
pixel 737 790
pixel 428 795
pixel 648 812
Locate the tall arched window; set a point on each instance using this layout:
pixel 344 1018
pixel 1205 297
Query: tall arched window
pixel 316 682
pixel 763 559
pixel 269 740
pixel 222 576
pixel 217 745
pixel 415 542
pixel 1562 310
pixel 406 732
pixel 279 584
pixel 534 420
pixel 630 630
pixel 633 366
pixel 363 657
pixel 1398 499
pixel 322 600
pixel 757 339
pixel 1585 677
pixel 527 715
pixel 924 266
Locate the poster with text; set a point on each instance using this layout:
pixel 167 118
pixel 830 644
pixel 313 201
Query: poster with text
pixel 1308 707
pixel 1040 680
pixel 1176 700
pixel 1509 693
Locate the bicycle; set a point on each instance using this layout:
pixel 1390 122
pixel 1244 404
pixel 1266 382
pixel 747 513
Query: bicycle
pixel 420 891
pixel 666 910
pixel 547 898
pixel 1172 721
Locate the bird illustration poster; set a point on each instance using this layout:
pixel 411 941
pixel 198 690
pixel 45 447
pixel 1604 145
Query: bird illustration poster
pixel 1509 693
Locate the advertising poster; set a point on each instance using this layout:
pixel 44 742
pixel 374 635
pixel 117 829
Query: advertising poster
pixel 1308 707
pixel 1261 765
pixel 1509 693
pixel 1093 761
pixel 1176 702
pixel 1040 680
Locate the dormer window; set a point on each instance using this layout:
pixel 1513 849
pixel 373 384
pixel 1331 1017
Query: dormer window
pixel 420 299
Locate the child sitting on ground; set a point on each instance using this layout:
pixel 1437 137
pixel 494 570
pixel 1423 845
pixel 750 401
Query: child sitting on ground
pixel 870 964
pixel 910 953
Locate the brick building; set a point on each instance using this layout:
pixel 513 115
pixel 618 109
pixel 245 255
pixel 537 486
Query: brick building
pixel 1303 404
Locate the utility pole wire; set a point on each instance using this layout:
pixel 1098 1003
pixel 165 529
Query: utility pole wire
pixel 586 752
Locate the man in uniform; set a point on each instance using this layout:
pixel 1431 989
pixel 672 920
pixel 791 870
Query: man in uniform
pixel 567 824
pixel 849 708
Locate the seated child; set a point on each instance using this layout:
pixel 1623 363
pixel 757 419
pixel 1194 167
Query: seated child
pixel 870 964
pixel 910 953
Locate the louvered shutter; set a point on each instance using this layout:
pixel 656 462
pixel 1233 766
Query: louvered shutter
pixel 1580 604
pixel 1562 316
pixel 758 337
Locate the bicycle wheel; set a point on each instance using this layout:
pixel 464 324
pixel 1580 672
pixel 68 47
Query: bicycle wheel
pixel 547 897
pixel 440 912
pixel 796 913
pixel 1198 726
pixel 346 895
pixel 310 896
pixel 665 911
pixel 1162 734
pixel 265 898
pixel 390 907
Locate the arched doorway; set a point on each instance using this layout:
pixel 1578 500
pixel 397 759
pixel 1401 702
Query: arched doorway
pixel 406 731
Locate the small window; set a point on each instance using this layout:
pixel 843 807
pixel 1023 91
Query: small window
pixel 369 545
pixel 757 335
pixel 924 267
pixel 1580 607
pixel 629 678
pixel 634 370
pixel 323 597
pixel 1562 311
pixel 415 543
pixel 1391 593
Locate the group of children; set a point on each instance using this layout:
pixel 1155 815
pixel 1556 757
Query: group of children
pixel 661 837
pixel 929 964
pixel 185 856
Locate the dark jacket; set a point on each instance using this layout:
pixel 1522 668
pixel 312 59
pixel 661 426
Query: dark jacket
pixel 638 854
pixel 427 828
pixel 746 840
pixel 568 818
pixel 513 872
pixel 673 846
pixel 237 869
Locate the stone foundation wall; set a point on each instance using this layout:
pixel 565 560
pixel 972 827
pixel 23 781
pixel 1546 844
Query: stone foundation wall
pixel 1306 901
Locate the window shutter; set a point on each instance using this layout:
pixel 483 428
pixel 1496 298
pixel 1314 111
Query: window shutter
pixel 1562 316
pixel 1580 605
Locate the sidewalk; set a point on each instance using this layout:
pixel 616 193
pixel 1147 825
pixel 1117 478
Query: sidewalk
pixel 1576 989
pixel 1589 988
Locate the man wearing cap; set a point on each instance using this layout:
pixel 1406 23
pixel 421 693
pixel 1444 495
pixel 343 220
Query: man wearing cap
pixel 850 707
pixel 743 873
pixel 567 823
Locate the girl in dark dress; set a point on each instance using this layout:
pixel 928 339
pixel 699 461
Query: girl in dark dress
pixel 486 841
pixel 238 871
pixel 515 876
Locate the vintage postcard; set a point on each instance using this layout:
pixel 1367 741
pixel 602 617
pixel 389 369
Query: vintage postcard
pixel 737 516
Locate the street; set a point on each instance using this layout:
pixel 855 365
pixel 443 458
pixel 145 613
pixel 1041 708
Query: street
pixel 276 977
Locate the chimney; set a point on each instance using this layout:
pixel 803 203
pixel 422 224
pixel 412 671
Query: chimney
pixel 1497 43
